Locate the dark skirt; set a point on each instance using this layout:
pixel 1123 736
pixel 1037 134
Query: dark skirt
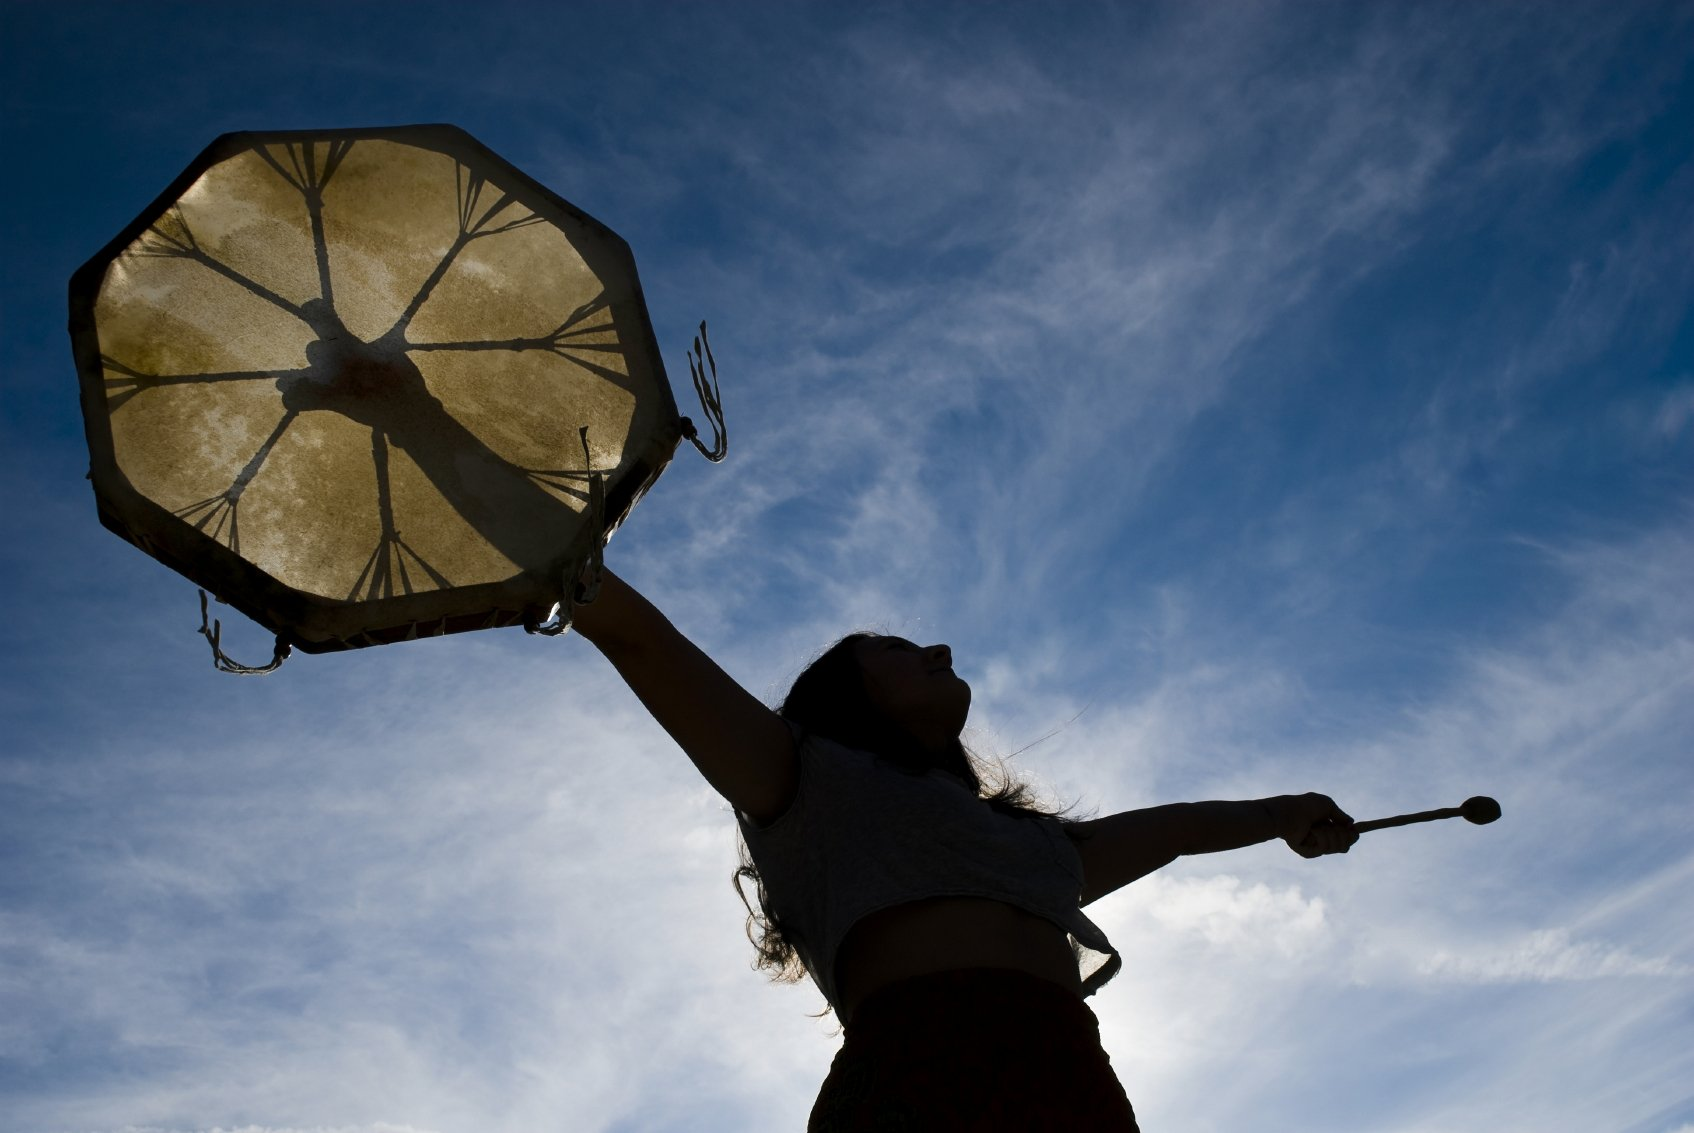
pixel 972 1051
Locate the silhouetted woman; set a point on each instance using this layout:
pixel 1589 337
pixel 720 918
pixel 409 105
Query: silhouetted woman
pixel 941 920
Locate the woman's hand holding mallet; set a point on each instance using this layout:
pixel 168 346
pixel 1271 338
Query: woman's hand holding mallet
pixel 1312 824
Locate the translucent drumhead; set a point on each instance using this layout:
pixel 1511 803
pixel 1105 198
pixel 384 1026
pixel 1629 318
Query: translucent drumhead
pixel 357 382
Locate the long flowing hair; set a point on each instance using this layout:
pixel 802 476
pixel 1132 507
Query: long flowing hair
pixel 829 699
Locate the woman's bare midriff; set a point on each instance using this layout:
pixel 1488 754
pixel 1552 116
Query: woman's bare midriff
pixel 943 934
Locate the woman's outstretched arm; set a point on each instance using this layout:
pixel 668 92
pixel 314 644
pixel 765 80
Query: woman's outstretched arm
pixel 743 749
pixel 1122 847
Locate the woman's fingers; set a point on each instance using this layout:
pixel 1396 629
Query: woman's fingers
pixel 1330 830
pixel 1328 838
pixel 1313 825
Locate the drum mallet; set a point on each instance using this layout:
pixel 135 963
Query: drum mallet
pixel 1479 809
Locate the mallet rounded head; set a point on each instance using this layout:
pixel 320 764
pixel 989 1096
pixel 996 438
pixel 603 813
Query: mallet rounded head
pixel 1479 809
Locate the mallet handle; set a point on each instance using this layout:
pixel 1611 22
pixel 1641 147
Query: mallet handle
pixel 1408 819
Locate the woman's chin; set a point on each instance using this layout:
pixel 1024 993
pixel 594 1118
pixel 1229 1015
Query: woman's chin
pixel 963 702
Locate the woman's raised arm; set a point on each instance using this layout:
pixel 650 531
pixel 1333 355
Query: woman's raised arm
pixel 743 749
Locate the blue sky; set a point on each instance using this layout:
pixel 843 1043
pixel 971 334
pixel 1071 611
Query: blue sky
pixel 1262 397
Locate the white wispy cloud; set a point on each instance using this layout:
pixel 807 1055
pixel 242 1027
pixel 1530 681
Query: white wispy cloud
pixel 1675 411
pixel 1227 914
pixel 1547 956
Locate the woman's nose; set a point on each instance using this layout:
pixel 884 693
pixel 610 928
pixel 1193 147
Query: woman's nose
pixel 942 654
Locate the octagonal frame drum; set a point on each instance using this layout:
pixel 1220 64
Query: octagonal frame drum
pixel 365 385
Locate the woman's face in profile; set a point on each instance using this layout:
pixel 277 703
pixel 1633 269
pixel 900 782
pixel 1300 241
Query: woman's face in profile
pixel 915 687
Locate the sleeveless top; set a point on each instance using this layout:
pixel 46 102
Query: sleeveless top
pixel 863 835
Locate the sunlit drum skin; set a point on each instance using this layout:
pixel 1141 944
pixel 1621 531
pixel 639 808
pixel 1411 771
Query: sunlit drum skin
pixel 379 385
